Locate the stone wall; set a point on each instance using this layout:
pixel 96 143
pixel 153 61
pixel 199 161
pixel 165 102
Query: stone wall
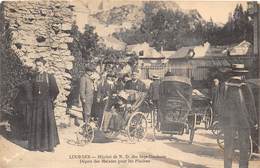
pixel 31 29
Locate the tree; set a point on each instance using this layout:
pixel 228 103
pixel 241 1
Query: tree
pixel 88 42
pixel 172 29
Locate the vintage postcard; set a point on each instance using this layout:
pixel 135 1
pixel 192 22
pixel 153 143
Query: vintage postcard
pixel 129 84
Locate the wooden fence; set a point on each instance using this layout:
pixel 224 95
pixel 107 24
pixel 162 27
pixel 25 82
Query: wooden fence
pixel 198 70
pixel 198 73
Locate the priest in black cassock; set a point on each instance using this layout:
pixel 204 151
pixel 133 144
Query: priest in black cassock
pixel 43 134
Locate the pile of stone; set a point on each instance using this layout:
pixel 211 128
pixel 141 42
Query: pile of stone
pixel 32 29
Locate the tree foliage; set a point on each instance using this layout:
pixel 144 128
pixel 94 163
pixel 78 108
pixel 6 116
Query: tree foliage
pixel 87 50
pixel 173 29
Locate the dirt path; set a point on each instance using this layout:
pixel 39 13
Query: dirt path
pixel 174 153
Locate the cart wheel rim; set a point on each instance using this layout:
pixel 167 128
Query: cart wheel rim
pixel 250 151
pixel 215 128
pixel 220 140
pixel 209 118
pixel 137 127
pixel 85 134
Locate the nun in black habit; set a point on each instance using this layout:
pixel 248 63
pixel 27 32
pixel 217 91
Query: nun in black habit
pixel 43 134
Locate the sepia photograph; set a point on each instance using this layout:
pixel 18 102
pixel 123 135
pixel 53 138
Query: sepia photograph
pixel 129 84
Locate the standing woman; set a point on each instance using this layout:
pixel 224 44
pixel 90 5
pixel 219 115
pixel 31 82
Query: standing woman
pixel 43 135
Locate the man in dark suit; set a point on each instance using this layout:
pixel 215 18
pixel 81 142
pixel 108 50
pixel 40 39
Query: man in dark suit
pixel 153 92
pixel 237 115
pixel 87 92
pixel 135 84
pixel 105 89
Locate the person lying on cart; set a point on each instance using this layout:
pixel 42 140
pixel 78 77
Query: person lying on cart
pixel 115 113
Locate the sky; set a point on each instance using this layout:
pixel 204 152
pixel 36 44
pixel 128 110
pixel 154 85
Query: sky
pixel 217 10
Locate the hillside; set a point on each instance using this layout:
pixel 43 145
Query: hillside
pixel 126 14
pixel 153 22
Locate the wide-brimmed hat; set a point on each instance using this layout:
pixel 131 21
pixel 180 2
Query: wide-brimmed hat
pixel 239 68
pixel 155 77
pixel 123 95
pixel 90 68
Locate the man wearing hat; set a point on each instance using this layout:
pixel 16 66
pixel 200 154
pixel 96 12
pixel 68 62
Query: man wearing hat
pixel 104 92
pixel 135 84
pixel 237 114
pixel 87 92
pixel 154 90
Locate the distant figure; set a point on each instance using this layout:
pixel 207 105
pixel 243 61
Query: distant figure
pixel 215 95
pixel 95 109
pixel 43 134
pixel 135 84
pixel 238 115
pixel 87 92
pixel 23 106
pixel 153 92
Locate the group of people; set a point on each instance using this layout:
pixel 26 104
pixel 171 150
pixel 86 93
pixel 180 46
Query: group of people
pixel 95 92
pixel 37 94
pixel 232 100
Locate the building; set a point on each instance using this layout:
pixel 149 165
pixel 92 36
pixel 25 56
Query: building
pixel 254 12
pixel 146 54
pixel 150 61
pixel 244 48
pixel 199 62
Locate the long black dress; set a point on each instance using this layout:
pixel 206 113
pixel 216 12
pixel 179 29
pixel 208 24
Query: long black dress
pixel 43 134
pixel 23 106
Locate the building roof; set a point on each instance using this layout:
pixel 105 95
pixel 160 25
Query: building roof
pixel 148 52
pixel 167 54
pixel 182 53
pixel 200 51
pixel 216 51
pixel 242 49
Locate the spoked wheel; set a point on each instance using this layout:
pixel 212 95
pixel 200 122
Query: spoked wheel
pixel 85 134
pixel 220 141
pixel 192 123
pixel 208 118
pixel 137 127
pixel 215 128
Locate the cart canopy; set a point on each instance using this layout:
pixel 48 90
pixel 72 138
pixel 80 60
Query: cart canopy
pixel 175 99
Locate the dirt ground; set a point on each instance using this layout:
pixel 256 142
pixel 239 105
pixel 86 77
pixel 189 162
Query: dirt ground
pixel 120 153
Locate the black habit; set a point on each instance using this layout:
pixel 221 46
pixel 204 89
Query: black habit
pixel 43 134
